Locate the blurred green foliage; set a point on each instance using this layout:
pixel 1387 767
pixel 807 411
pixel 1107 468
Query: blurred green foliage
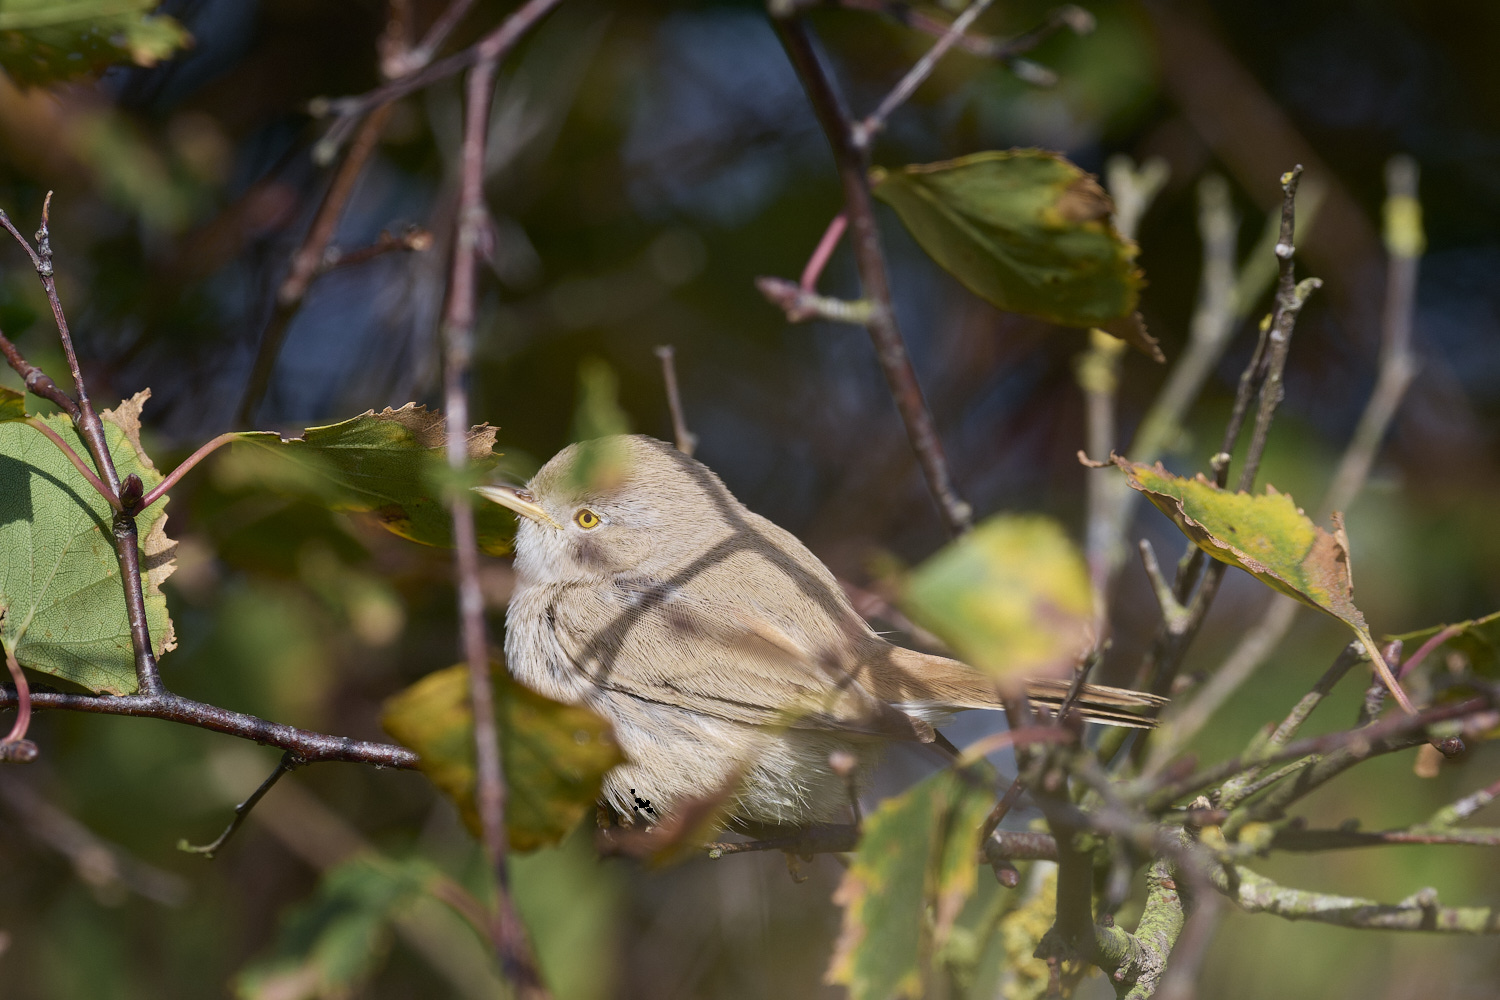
pixel 656 158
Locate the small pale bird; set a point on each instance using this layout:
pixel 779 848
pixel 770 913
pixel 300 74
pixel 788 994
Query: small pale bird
pixel 716 644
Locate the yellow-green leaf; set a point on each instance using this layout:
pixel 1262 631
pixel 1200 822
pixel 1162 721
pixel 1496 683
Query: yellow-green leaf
pixel 12 404
pixel 1012 597
pixel 1267 536
pixel 555 755
pixel 391 464
pixel 64 606
pixel 916 866
pixel 1026 230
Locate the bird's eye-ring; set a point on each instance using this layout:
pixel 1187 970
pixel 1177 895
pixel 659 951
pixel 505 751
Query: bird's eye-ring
pixel 586 518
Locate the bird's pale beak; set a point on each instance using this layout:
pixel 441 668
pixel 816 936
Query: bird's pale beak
pixel 517 500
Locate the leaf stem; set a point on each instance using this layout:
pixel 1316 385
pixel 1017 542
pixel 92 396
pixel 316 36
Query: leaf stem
pixel 163 487
pixel 78 462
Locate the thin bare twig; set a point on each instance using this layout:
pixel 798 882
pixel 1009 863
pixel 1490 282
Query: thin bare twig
pixel 890 348
pixel 421 54
pixel 801 305
pixel 307 261
pixel 289 762
pixel 414 238
pixel 1255 893
pixel 1098 372
pixel 310 746
pixel 1464 807
pixel 863 132
pixel 1263 378
pixel 687 441
pixel 1404 244
pixel 349 110
pixel 1003 50
pixel 38 382
pixel 510 938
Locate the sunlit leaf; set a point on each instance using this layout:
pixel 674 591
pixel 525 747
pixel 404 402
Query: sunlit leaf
pixel 555 755
pixel 1478 639
pixel 12 404
pixel 1011 597
pixel 331 944
pixel 1027 231
pixel 1266 535
pixel 42 41
pixel 391 464
pixel 916 866
pixel 59 575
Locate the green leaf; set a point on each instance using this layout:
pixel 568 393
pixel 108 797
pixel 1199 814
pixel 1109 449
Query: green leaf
pixel 555 755
pixel 1478 639
pixel 915 867
pixel 12 404
pixel 1027 231
pixel 391 464
pixel 43 41
pixel 1267 536
pixel 334 942
pixel 1012 597
pixel 59 576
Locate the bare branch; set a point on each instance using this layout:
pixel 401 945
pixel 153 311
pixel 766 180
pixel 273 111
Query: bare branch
pixel 801 305
pixel 38 382
pixel 1404 245
pixel 890 348
pixel 687 441
pixel 1257 894
pixel 309 746
pixel 510 938
pixel 289 762
pixel 307 261
pixel 863 132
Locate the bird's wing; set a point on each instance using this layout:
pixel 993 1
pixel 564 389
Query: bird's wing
pixel 661 645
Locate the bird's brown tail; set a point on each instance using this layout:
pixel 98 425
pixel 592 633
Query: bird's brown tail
pixel 917 681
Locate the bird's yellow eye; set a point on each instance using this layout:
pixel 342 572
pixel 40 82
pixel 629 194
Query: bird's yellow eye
pixel 586 518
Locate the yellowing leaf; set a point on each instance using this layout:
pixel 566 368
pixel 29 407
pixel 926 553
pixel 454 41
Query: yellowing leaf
pixel 1269 537
pixel 555 755
pixel 1027 231
pixel 42 41
pixel 916 866
pixel 1012 597
pixel 12 404
pixel 59 576
pixel 390 463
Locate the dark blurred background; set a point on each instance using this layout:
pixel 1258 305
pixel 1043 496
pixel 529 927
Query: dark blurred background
pixel 648 161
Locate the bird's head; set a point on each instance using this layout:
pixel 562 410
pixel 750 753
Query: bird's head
pixel 628 503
